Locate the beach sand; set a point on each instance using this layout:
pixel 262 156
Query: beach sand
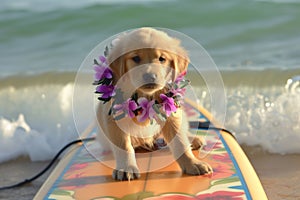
pixel 279 174
pixel 18 170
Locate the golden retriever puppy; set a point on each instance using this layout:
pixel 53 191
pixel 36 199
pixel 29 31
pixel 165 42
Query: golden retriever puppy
pixel 144 62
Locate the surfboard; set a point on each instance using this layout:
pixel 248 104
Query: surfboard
pixel 79 175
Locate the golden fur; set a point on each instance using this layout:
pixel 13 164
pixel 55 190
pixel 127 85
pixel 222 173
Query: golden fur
pixel 156 54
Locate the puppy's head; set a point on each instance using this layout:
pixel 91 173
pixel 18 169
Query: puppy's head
pixel 148 58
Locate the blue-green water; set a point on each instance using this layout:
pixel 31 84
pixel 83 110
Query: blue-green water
pixel 255 45
pixel 54 35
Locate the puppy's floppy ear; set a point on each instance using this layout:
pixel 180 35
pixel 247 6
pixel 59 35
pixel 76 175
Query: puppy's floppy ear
pixel 115 58
pixel 180 59
pixel 180 63
pixel 117 66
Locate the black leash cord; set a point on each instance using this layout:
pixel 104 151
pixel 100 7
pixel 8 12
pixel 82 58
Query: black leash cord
pixel 49 165
pixel 208 126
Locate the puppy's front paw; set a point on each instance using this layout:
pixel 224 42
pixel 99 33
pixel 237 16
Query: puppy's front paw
pixel 130 173
pixel 197 167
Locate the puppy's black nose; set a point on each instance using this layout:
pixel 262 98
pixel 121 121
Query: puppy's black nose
pixel 149 77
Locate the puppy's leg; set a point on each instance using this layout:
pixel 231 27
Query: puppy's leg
pixel 126 166
pixel 180 146
pixel 120 144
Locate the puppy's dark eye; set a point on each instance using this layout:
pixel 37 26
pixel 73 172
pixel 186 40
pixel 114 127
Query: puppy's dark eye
pixel 136 59
pixel 162 59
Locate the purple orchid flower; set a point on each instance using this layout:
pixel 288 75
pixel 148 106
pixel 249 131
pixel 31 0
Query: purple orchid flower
pixel 107 91
pixel 147 109
pixel 128 106
pixel 178 87
pixel 179 79
pixel 168 104
pixel 103 59
pixel 102 72
pixel 178 91
pixel 102 69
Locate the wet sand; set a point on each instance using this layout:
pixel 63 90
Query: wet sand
pixel 279 174
pixel 18 170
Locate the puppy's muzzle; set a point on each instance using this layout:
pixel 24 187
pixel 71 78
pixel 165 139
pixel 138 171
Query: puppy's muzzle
pixel 150 81
pixel 149 78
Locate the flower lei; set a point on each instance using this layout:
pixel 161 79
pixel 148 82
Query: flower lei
pixel 141 108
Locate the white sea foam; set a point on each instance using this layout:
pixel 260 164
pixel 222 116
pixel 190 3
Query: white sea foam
pixel 272 122
pixel 36 120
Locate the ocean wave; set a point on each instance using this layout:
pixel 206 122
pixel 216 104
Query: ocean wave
pixel 36 112
pixel 269 118
pixel 36 115
pixel 262 109
pixel 35 120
